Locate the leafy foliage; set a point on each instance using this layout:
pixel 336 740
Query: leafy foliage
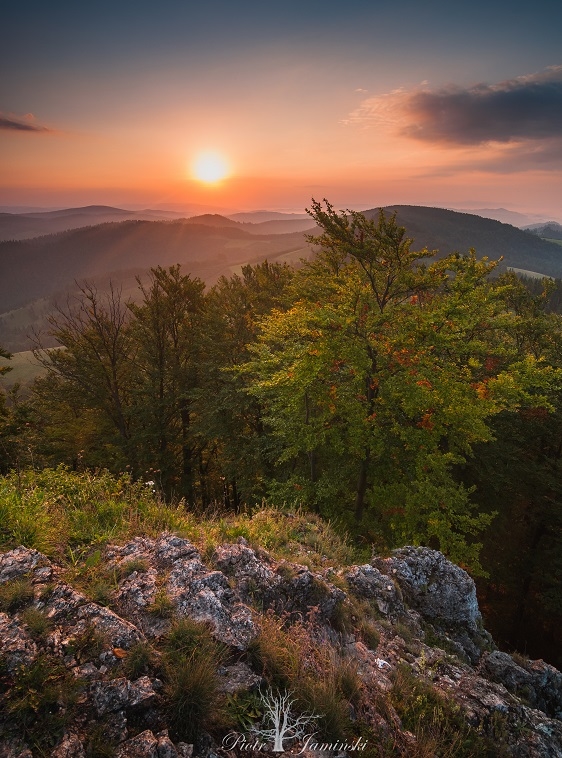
pixel 403 397
pixel 384 375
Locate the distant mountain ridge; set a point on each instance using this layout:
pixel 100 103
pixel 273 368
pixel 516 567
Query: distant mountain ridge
pixel 451 231
pixel 552 230
pixel 19 226
pixel 258 217
pixel 520 220
pixel 210 245
pixel 38 267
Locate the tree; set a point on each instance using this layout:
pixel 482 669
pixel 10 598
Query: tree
pixel 382 377
pixel 166 332
pixel 519 477
pixel 96 360
pixel 226 415
pixel 4 370
pixel 7 355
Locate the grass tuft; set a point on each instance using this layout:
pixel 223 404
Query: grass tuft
pixel 436 721
pixel 15 594
pixel 39 702
pixel 161 605
pixel 129 567
pixel 38 623
pixel 87 644
pixel 140 660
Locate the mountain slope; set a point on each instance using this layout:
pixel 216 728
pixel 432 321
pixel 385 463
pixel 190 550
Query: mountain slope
pixel 195 639
pixel 552 230
pixel 210 245
pixel 17 226
pixel 520 220
pixel 450 231
pixel 30 269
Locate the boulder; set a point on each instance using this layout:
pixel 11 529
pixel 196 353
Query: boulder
pixel 369 583
pixel 438 589
pixel 17 647
pixel 122 694
pixel 537 683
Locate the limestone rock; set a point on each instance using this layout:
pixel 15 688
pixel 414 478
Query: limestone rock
pixel 432 585
pixel 254 577
pixel 207 596
pixel 70 747
pixel 17 647
pixel 14 749
pixel 23 561
pixel 368 582
pixel 538 684
pixel 119 694
pixel 165 747
pixel 238 677
pixel 144 745
pixel 421 595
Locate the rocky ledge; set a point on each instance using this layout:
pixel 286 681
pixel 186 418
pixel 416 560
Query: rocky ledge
pixel 74 684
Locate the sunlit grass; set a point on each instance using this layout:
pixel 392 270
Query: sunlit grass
pixel 67 515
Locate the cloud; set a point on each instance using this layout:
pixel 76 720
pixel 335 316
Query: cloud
pixel 526 108
pixel 511 158
pixel 27 123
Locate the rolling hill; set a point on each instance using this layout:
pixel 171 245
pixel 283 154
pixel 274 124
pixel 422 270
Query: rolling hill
pixel 550 231
pixel 35 272
pixel 21 226
pixel 521 220
pixel 451 231
pixel 35 268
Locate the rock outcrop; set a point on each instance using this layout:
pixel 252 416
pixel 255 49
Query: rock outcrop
pixel 420 619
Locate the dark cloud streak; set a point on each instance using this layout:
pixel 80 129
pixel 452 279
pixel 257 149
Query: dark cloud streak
pixel 525 108
pixel 12 124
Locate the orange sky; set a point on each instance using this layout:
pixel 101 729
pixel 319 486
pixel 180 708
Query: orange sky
pixel 299 104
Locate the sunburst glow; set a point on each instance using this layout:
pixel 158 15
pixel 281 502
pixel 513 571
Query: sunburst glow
pixel 210 167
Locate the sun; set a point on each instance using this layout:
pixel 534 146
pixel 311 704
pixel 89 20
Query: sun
pixel 210 167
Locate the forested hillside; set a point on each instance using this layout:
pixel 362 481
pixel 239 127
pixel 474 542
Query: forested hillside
pixel 39 267
pixel 450 231
pixel 410 400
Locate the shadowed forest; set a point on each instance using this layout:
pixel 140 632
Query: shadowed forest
pixel 407 400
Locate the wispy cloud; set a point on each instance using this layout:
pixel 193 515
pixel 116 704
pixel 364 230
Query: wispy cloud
pixel 27 123
pixel 525 108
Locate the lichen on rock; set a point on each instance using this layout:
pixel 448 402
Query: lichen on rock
pixel 123 667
